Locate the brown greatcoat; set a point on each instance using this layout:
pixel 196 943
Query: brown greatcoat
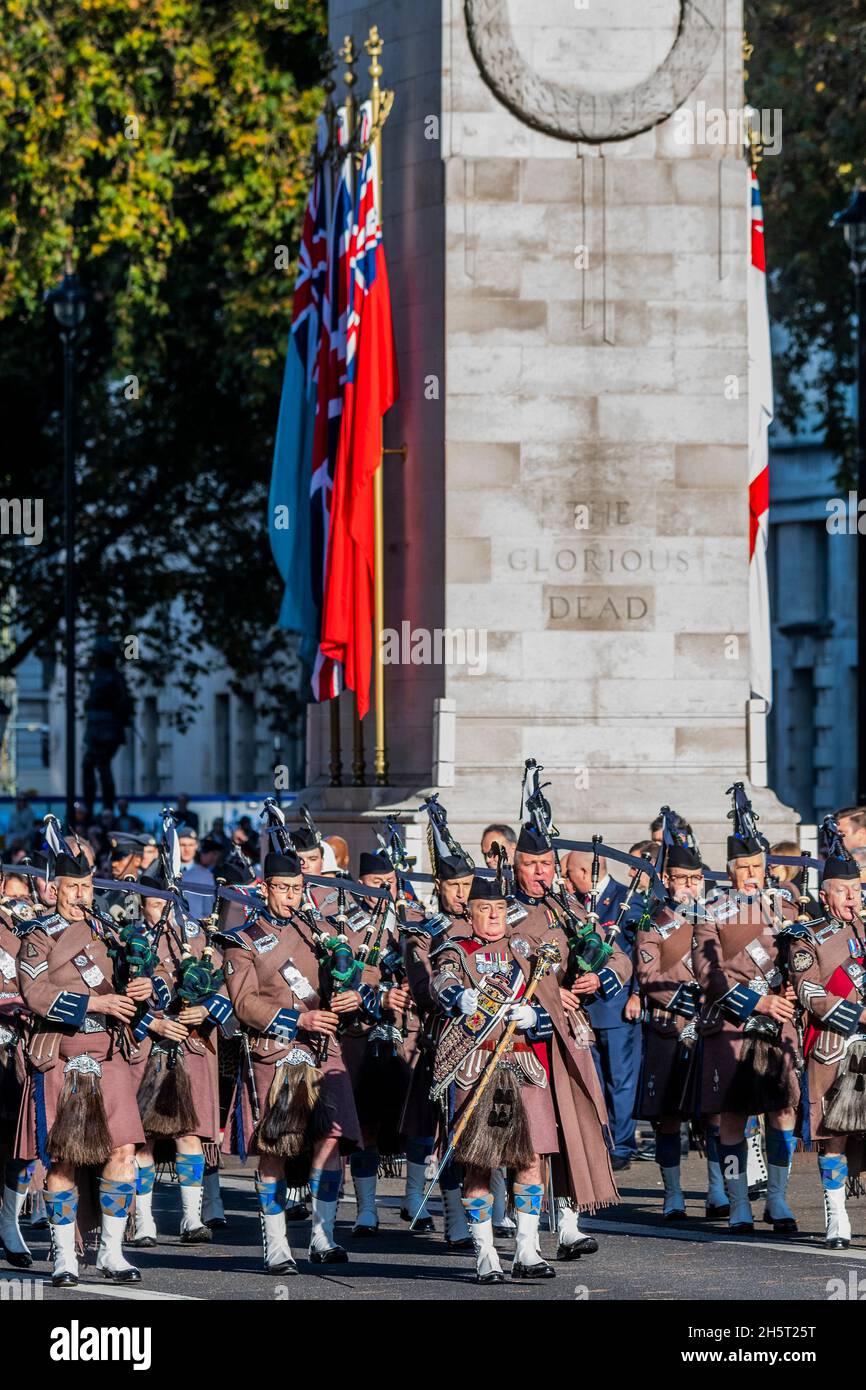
pixel 200 1048
pixel 828 978
pixel 663 958
pixel 47 971
pixel 735 955
pixel 258 958
pixel 581 1160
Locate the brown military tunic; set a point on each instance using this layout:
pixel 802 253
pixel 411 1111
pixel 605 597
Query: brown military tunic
pixel 61 965
pixel 200 1048
pixel 12 1015
pixel 580 1156
pixel 736 960
pixel 272 975
pixel 828 974
pixel 663 958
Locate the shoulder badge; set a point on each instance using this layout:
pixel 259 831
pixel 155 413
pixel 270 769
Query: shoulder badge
pixel 801 960
pixel 646 956
pixel 520 946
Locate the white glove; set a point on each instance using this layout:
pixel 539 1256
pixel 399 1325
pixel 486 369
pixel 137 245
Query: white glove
pixel 468 1001
pixel 523 1015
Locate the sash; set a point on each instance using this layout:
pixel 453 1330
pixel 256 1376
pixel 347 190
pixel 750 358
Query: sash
pixel 461 1035
pixel 840 984
pixel 674 947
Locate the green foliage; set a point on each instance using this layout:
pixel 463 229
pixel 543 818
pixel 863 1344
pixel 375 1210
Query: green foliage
pixel 167 142
pixel 810 63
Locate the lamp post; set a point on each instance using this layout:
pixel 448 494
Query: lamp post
pixel 852 220
pixel 69 302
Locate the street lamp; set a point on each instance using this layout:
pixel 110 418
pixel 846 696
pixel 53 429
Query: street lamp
pixel 69 302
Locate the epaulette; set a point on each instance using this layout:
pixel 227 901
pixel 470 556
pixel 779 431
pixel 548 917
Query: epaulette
pixel 49 922
pixel 444 945
pixel 434 927
pixel 233 937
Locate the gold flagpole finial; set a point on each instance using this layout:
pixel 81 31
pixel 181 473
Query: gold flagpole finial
pixel 374 46
pixel 349 54
pixel 753 138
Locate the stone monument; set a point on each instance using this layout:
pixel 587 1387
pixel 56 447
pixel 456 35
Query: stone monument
pixel 567 248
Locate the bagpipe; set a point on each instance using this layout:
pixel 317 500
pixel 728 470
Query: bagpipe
pixel 589 950
pixel 165 1098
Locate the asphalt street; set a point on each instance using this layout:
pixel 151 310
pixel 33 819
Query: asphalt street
pixel 640 1257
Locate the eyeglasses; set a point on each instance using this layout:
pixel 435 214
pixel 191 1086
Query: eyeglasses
pixel 682 879
pixel 489 853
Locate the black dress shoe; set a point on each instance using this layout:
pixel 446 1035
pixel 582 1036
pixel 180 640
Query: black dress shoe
pixel 785 1226
pixel 540 1271
pixel 18 1259
pixel 423 1226
pixel 466 1244
pixel 285 1267
pixel 585 1245
pixel 122 1276
pixel 620 1164
pixel 494 1277
pixel 64 1281
pixel 742 1228
pixel 299 1213
pixel 719 1213
pixel 143 1242
pixel 335 1256
pixel 200 1236
pixel 837 1243
pixel 219 1223
pixel 678 1215
pixel 365 1232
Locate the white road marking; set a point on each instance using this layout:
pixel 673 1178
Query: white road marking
pixel 757 1242
pixel 135 1294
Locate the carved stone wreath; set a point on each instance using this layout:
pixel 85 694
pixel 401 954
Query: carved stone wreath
pixel 573 113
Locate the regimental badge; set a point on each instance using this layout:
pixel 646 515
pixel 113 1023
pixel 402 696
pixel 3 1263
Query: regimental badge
pixel 229 968
pixel 520 946
pixel 266 942
pixel 30 950
pixel 801 960
pixel 646 956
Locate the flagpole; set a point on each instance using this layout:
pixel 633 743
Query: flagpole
pixel 374 48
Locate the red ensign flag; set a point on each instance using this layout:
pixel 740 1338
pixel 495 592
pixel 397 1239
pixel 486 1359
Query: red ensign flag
pixel 371 389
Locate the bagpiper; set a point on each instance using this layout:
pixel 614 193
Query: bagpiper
pixel 749 1050
pixel 672 999
pixel 542 901
pixel 828 971
pixel 178 1094
pixel 293 1105
pixel 79 1108
pixel 500 990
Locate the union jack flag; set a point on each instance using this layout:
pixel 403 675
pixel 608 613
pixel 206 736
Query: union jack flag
pixel 331 370
pixel 313 262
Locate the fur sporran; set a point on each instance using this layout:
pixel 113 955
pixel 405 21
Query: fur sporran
pixel 165 1101
pixel 845 1102
pixel 497 1134
pixel 762 1080
pixel 295 1116
pixel 80 1135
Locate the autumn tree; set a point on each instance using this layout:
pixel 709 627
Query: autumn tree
pixel 165 142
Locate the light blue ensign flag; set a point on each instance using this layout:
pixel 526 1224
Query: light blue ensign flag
pixel 289 503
